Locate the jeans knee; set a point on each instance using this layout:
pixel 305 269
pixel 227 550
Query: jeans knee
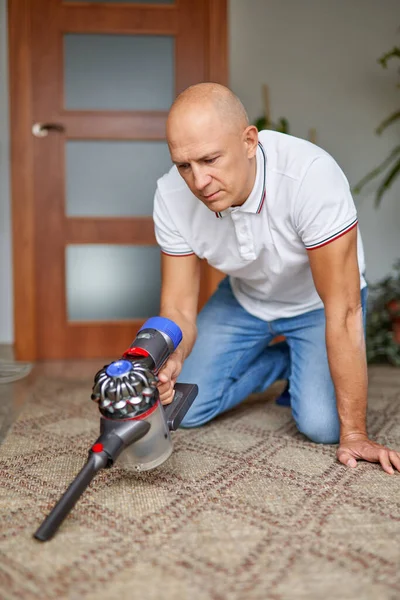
pixel 320 431
pixel 196 417
pixel 189 422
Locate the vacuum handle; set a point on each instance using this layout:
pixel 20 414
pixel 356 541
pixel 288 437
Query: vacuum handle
pixel 185 393
pixel 71 496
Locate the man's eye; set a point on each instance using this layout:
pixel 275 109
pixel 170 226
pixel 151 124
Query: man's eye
pixel 210 161
pixel 184 166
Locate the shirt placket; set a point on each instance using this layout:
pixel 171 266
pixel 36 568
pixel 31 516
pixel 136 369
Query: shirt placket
pixel 244 236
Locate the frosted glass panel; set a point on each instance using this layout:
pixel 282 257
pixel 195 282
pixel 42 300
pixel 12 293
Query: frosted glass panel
pixel 118 72
pixel 109 178
pixel 106 283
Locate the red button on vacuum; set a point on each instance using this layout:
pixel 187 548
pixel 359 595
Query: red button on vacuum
pixel 134 351
pixel 97 448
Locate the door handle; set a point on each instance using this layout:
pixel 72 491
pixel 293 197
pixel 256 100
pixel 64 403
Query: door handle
pixel 42 129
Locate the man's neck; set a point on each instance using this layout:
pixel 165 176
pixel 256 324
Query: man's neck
pixel 251 181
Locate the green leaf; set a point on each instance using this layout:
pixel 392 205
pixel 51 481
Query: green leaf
pixel 385 185
pixel 383 60
pixel 261 123
pixel 377 171
pixel 388 121
pixel 283 125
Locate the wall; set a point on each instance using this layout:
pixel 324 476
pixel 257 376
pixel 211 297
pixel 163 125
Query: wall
pixel 6 317
pixel 319 58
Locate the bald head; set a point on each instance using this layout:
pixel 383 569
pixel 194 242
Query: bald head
pixel 212 145
pixel 208 101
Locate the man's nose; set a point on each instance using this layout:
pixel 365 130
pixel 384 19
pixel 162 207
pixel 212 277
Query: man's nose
pixel 201 179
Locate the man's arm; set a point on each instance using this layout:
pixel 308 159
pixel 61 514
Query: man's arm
pixel 336 276
pixel 179 299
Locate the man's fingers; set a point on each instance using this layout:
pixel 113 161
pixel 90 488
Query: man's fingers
pixel 168 372
pixel 395 459
pixel 346 459
pixel 385 462
pixel 389 460
pixel 165 388
pixel 164 375
pixel 167 397
pixel 166 391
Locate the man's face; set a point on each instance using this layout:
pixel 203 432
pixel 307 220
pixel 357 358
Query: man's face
pixel 213 159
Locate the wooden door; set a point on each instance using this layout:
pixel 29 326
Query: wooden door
pixel 73 260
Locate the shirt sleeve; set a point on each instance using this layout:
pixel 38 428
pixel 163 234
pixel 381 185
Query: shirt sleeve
pixel 324 209
pixel 167 235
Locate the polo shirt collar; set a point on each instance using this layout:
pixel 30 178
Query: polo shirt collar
pixel 255 201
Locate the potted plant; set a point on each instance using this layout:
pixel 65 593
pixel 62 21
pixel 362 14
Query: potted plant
pixel 383 317
pixel 265 121
pixel 383 320
pixel 391 165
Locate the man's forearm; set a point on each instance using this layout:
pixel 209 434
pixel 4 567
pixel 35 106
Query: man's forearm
pixel 347 362
pixel 188 327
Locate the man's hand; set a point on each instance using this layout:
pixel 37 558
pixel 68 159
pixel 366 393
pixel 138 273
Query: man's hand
pixel 168 376
pixel 358 447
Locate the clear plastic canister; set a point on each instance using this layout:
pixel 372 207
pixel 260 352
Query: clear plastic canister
pixel 154 448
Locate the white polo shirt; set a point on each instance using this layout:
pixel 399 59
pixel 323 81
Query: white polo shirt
pixel 300 201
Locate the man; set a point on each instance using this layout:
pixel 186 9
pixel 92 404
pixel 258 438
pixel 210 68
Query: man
pixel 275 214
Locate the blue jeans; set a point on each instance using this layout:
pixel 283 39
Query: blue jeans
pixel 232 359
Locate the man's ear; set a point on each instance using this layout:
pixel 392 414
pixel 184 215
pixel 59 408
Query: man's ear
pixel 250 138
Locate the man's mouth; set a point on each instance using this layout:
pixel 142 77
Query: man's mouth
pixel 211 196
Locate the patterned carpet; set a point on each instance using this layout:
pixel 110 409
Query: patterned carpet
pixel 245 508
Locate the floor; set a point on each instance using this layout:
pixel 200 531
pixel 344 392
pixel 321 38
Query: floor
pixel 244 509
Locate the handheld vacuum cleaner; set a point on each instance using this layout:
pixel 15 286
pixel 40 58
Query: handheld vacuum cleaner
pixel 133 420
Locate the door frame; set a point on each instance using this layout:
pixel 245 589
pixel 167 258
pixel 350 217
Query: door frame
pixel 21 160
